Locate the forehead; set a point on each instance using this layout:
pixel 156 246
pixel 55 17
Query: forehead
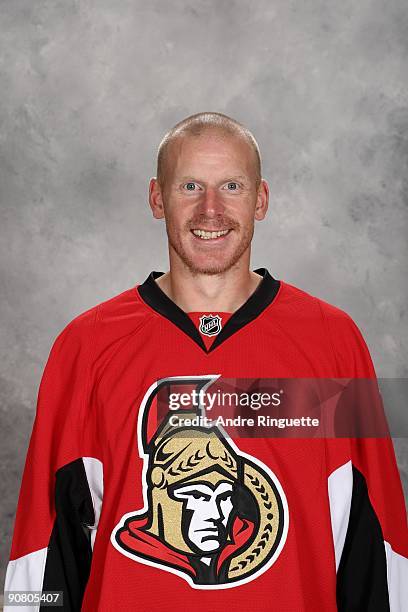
pixel 218 488
pixel 211 151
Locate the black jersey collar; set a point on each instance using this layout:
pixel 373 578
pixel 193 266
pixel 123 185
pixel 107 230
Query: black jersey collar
pixel 264 294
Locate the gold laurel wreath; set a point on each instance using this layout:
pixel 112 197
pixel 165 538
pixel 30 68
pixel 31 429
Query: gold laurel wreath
pixel 267 532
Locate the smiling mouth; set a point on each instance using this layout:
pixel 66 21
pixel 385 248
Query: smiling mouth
pixel 210 235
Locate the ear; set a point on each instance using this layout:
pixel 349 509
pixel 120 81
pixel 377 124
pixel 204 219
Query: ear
pixel 156 199
pixel 262 200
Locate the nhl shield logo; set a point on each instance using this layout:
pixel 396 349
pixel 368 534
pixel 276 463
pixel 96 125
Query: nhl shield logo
pixel 210 325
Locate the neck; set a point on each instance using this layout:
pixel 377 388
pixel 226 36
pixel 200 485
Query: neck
pixel 195 292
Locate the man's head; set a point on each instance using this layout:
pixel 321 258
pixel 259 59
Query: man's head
pixel 209 179
pixel 207 509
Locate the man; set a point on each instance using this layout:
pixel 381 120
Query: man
pixel 131 502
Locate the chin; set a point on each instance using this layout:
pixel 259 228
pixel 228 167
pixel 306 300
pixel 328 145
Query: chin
pixel 209 549
pixel 209 267
pixel 216 263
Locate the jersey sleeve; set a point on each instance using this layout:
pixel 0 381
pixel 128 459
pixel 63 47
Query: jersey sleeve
pixel 57 508
pixel 369 519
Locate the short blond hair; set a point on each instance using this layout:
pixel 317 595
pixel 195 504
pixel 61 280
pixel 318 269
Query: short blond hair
pixel 197 124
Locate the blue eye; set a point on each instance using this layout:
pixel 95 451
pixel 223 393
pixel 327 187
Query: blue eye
pixel 190 186
pixel 235 185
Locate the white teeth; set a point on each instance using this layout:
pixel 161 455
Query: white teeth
pixel 208 235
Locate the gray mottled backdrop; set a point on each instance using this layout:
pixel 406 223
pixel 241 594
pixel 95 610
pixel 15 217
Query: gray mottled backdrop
pixel 88 89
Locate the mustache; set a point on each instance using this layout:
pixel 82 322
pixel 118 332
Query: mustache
pixel 214 224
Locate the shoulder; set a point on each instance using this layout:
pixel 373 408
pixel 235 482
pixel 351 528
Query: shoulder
pixel 346 339
pixel 294 296
pixel 305 304
pixel 116 316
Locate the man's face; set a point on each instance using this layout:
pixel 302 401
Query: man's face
pixel 207 511
pixel 210 200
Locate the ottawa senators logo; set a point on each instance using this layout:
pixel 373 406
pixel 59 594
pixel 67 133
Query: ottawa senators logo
pixel 212 514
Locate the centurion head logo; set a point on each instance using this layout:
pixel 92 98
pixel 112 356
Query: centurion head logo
pixel 212 514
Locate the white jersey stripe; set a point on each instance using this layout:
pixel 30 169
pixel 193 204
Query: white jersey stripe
pixel 340 484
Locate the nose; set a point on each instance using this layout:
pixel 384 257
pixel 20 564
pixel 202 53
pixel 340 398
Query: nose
pixel 212 510
pixel 211 203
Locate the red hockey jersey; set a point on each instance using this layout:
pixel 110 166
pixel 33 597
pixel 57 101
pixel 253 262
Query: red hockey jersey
pixel 123 508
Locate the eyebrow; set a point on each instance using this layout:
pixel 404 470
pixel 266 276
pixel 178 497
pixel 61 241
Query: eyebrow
pixel 240 177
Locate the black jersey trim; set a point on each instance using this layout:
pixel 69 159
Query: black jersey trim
pixel 362 573
pixel 69 553
pixel 264 294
